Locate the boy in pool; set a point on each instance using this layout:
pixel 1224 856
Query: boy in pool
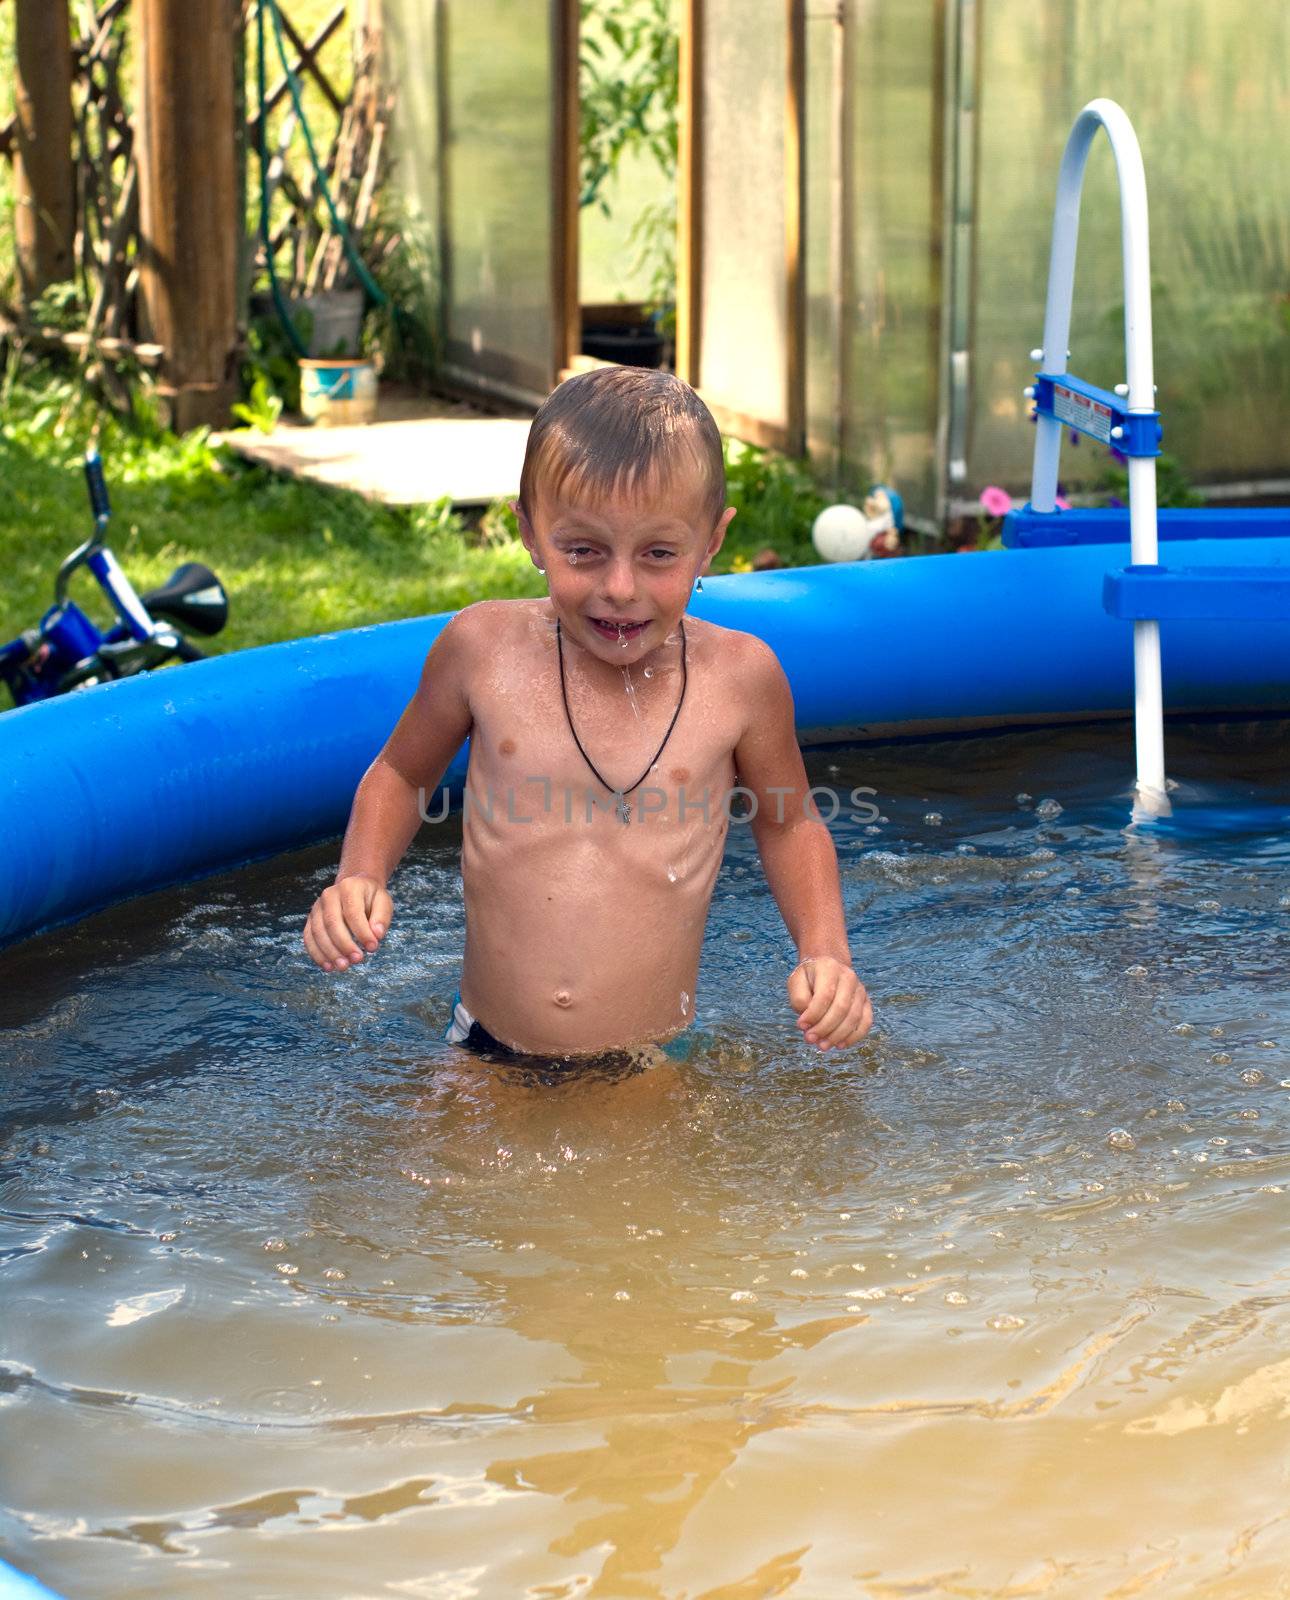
pixel 607 734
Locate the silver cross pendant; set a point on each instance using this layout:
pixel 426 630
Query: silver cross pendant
pixel 623 810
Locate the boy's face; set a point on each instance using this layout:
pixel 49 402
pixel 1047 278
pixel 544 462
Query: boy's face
pixel 621 568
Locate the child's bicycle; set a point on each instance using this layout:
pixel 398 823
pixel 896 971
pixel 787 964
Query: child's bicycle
pixel 67 651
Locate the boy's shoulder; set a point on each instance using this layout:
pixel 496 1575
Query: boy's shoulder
pixel 484 623
pixel 735 651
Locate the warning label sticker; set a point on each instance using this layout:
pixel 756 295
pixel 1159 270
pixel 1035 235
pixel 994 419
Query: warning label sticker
pixel 1078 411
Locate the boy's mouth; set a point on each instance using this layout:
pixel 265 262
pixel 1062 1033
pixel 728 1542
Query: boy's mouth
pixel 607 628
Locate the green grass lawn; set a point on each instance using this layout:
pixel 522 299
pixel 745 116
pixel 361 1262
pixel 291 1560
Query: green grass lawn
pixel 296 558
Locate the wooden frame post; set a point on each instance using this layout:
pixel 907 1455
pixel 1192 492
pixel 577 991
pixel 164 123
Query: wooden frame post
pixel 44 180
pixel 566 305
pixel 189 227
pixel 689 197
pixel 794 218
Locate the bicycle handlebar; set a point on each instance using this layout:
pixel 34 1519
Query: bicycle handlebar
pixel 97 486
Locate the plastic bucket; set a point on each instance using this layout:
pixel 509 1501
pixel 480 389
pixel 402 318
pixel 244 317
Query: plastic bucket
pixel 338 394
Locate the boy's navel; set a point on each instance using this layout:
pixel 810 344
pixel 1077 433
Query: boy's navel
pixel 562 997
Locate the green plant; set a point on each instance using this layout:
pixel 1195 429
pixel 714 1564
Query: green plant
pixel 262 408
pixel 1173 487
pixel 777 500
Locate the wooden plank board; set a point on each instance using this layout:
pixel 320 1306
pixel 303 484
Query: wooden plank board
pixel 417 451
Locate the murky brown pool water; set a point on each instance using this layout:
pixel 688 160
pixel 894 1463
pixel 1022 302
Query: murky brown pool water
pixel 299 1301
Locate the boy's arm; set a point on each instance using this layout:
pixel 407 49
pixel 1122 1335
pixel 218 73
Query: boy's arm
pixel 799 860
pixel 352 915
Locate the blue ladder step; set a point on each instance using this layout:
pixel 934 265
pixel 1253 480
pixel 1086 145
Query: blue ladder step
pixel 1193 594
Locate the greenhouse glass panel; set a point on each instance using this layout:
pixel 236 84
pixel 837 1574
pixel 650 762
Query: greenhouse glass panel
pixel 1206 84
pixel 481 97
pixel 743 290
pixel 894 69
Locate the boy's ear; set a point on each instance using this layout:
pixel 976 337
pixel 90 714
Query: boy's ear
pixel 718 537
pixel 526 527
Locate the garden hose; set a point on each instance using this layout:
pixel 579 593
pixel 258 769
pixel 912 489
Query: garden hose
pixel 371 287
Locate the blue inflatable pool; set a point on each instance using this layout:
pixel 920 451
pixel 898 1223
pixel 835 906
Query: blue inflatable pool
pixel 166 777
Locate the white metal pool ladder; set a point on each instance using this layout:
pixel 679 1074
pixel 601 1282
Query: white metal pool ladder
pixel 1127 418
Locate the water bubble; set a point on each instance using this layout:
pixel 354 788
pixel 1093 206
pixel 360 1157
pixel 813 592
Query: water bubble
pixel 1024 800
pixel 956 1297
pixel 1219 1141
pixel 286 1269
pixel 336 1274
pixel 1005 1322
pixel 1185 1028
pixel 1216 1033
pixel 1175 1105
pixel 1253 1075
pixel 1221 1058
pixel 1046 810
pixel 1208 905
pixel 621 1294
pixel 275 1244
pixel 743 1297
pixel 866 1294
pixel 1121 1139
pixel 799 1272
pixel 1249 1115
pixel 933 819
pixel 1072 893
pixel 1284 900
pixel 1135 972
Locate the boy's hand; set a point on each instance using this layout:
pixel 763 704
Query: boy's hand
pixel 832 1005
pixel 347 918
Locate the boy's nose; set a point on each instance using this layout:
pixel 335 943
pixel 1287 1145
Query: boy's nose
pixel 620 582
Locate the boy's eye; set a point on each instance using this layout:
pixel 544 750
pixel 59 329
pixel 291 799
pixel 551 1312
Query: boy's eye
pixel 662 554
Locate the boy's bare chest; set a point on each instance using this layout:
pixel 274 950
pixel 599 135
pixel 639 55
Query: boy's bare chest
pixel 528 733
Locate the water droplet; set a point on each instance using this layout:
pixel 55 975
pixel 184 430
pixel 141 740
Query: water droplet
pixel 685 1003
pixel 672 874
pixel 621 1294
pixel 573 558
pixel 1121 1139
pixel 649 672
pixel 1047 810
pixel 933 819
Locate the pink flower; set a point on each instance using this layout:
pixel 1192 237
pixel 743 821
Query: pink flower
pixel 995 502
pixel 1061 504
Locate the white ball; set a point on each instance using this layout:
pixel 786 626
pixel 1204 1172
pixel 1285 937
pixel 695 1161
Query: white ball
pixel 842 533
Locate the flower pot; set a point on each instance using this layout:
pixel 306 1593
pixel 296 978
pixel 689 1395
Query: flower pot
pixel 339 393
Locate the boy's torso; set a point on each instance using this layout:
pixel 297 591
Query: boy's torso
pixel 585 915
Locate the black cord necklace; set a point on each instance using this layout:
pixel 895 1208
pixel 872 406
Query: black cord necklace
pixel 621 809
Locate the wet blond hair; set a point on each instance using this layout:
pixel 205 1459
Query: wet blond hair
pixel 617 429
